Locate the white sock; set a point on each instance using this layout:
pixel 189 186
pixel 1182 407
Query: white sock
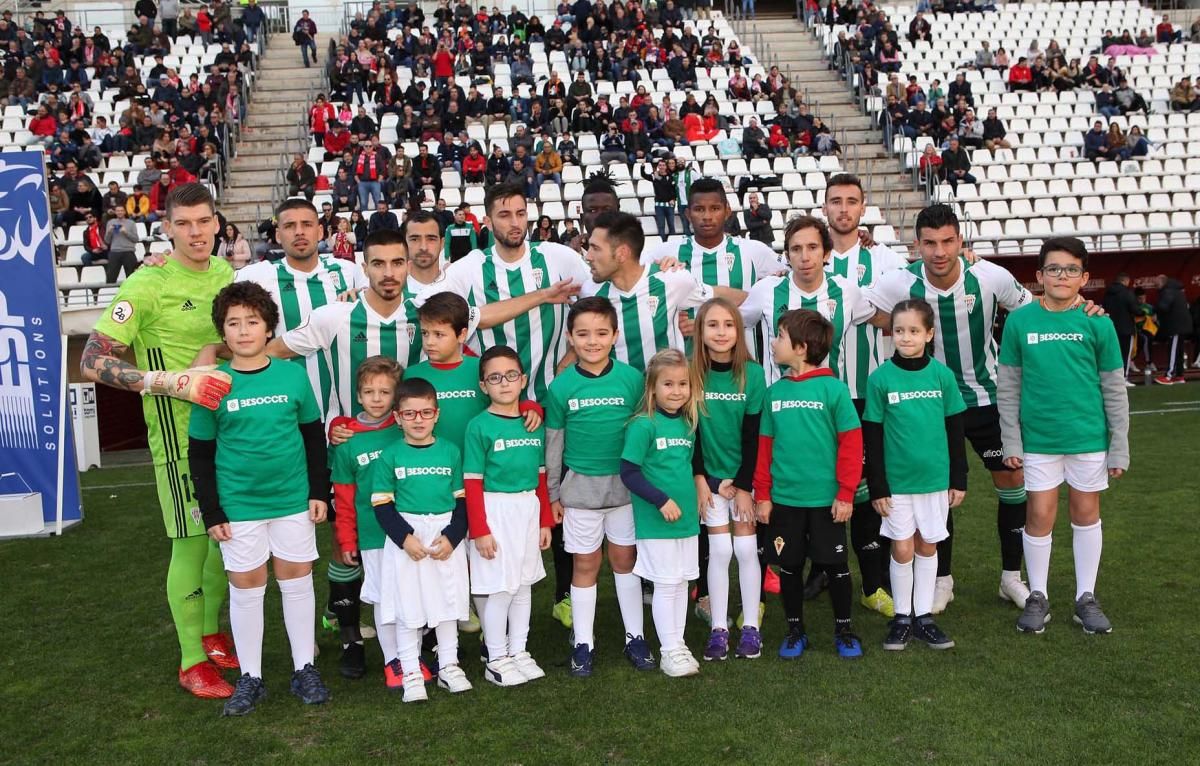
pixel 902 587
pixel 720 552
pixel 408 649
pixel 681 611
pixel 745 548
pixel 1086 542
pixel 494 618
pixel 519 612
pixel 1037 560
pixel 246 622
pixel 924 578
pixel 583 614
pixel 662 607
pixel 386 633
pixel 447 642
pixel 299 613
pixel 629 598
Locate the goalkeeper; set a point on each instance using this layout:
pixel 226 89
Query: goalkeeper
pixel 165 316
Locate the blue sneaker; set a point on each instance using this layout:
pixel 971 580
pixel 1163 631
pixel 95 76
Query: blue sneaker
pixel 307 685
pixel 637 651
pixel 793 645
pixel 581 662
pixel 847 644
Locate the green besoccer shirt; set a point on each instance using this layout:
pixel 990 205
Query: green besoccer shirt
pixel 1061 355
pixel 262 470
pixel 662 447
pixel 165 316
pixel 422 480
pixel 459 396
pixel 725 405
pixel 593 413
pixel 912 406
pixel 500 451
pixel 804 418
pixel 353 463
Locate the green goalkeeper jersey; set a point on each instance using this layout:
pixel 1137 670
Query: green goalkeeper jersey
pixel 165 315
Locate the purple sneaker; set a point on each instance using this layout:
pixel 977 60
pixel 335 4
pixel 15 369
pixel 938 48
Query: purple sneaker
pixel 749 644
pixel 718 646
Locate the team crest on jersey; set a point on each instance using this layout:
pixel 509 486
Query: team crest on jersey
pixel 969 302
pixel 779 543
pixel 829 308
pixel 652 302
pixel 537 276
pixel 729 261
pixel 399 472
pixel 410 329
pixel 196 518
pixel 862 271
pixel 364 459
pixel 335 279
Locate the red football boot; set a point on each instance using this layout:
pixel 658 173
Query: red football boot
pixel 219 648
pixel 204 680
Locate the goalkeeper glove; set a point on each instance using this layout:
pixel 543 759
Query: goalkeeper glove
pixel 205 386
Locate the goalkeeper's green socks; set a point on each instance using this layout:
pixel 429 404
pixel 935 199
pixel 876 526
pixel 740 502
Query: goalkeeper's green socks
pixel 185 595
pixel 216 585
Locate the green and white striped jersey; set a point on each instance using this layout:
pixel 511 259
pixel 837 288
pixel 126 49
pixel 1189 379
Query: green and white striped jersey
pixel 867 347
pixel 539 336
pixel 347 333
pixel 648 315
pixel 837 299
pixel 963 318
pixel 297 294
pixel 734 262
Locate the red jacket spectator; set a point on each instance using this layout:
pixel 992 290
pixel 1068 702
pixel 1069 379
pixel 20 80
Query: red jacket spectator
pixel 337 141
pixel 43 126
pixel 777 140
pixel 443 64
pixel 204 22
pixel 1020 74
pixel 158 196
pixel 180 175
pixel 476 163
pixel 320 115
pixel 696 129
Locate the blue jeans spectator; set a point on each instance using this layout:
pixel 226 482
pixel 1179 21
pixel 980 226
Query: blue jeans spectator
pixel 748 8
pixel 1109 111
pixel 305 47
pixel 664 219
pixel 369 190
pixel 687 225
pixel 544 177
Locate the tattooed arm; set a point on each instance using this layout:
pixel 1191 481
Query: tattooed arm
pixel 102 363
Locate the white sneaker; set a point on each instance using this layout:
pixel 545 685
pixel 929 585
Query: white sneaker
pixel 528 667
pixel 1130 384
pixel 677 663
pixel 414 687
pixel 503 672
pixel 1012 589
pixel 453 679
pixel 943 593
pixel 1134 369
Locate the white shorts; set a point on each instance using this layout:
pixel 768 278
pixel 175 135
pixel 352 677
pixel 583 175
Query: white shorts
pixel 418 594
pixel 668 562
pixel 720 514
pixel 925 513
pixel 289 538
pixel 372 564
pixel 585 529
pixel 514 520
pixel 1086 472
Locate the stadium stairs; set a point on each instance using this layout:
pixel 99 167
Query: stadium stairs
pixel 276 124
pixel 787 43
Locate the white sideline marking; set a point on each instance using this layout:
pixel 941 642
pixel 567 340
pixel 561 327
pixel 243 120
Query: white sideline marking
pixel 1165 411
pixel 118 486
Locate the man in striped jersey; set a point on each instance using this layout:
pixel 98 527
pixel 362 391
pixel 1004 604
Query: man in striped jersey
pixel 423 237
pixel 965 299
pixel 864 349
pixel 647 301
pixel 302 281
pixel 165 315
pixel 807 286
pixel 520 288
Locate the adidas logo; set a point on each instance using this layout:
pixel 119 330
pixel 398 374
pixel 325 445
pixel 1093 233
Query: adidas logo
pixel 187 306
pixel 197 593
pixel 360 338
pixel 287 287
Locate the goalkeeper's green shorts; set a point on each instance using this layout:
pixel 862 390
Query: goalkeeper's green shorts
pixel 177 497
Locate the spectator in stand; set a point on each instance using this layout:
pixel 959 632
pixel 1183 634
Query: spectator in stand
pixel 548 166
pixel 95 249
pixel 994 132
pixel 337 139
pixel 345 192
pixel 253 17
pixel 44 126
pixel 426 171
pixel 779 142
pixel 612 146
pixel 970 131
pixel 1136 144
pixel 919 29
pixel 1174 325
pixel 521 174
pixel 1001 60
pixel 889 61
pixel 960 87
pixel 320 115
pixel 1183 96
pixel 754 141
pixel 1106 102
pixel 370 169
pixel 498 166
pixel 301 178
pixel 1020 77
pixel 304 34
pixel 545 231
pixel 922 121
pixel 956 165
pixel 121 236
pixel 1114 140
pixel 757 220
pixel 1166 32
pixel 1095 143
pixel 1128 100
pixel 474 165
pixel 383 219
pixel 984 58
pixel 234 247
pixel 930 164
pixel 342 241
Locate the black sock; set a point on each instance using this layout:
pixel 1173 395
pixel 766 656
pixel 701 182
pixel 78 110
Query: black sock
pixel 864 536
pixel 428 641
pixel 791 590
pixel 1010 518
pixel 945 548
pixel 345 604
pixel 840 594
pixel 763 564
pixel 564 564
pixel 702 583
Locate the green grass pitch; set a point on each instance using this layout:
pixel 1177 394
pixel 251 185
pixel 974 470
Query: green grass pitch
pixel 88 668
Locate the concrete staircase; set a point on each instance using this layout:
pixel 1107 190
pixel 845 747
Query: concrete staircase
pixel 272 130
pixel 799 56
